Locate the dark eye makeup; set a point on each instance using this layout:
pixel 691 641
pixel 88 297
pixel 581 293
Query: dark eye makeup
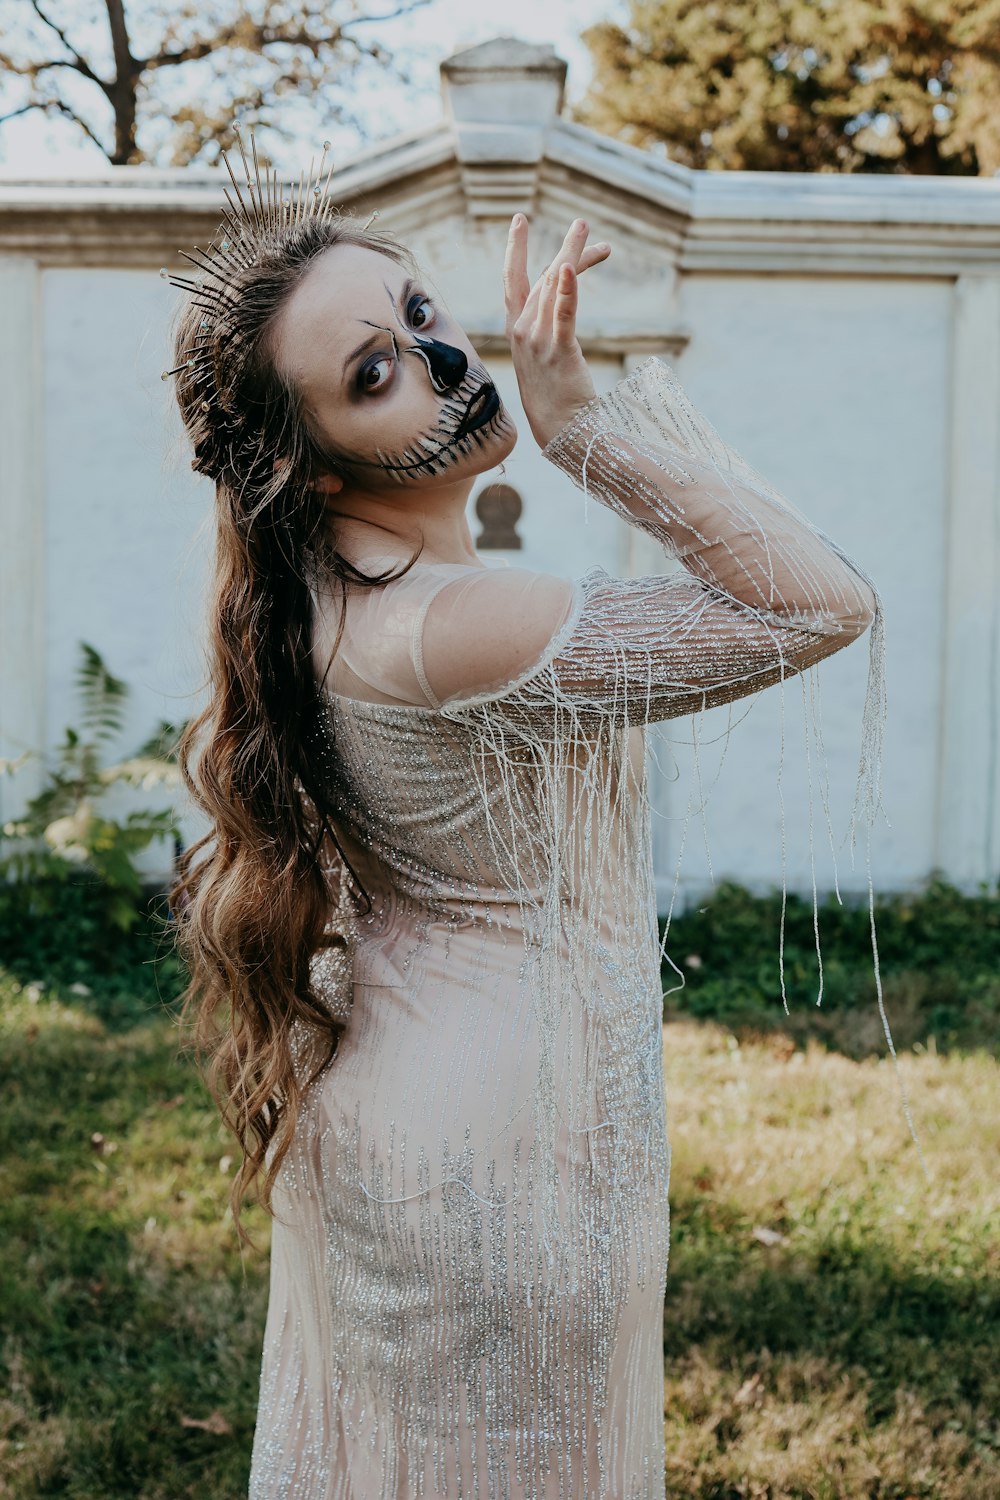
pixel 413 309
pixel 414 305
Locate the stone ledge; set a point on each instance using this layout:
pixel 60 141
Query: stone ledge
pixel 596 343
pixel 499 152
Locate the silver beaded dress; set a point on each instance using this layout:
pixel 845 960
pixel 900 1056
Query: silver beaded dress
pixel 469 1258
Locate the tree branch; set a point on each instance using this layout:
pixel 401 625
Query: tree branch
pixel 306 31
pixel 266 36
pixel 263 37
pixel 80 63
pixel 193 52
pixel 390 15
pixel 24 110
pixel 125 63
pixel 47 106
pixel 33 70
pixel 71 114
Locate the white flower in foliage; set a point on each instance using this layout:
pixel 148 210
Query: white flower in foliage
pixel 144 771
pixel 67 836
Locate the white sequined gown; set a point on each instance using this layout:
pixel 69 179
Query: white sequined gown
pixel 469 1264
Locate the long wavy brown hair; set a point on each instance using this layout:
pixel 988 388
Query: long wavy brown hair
pixel 252 899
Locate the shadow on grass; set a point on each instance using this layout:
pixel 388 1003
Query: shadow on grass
pixel 845 1298
pixel 825 1373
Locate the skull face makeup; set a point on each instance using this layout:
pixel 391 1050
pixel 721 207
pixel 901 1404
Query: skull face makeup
pixel 390 383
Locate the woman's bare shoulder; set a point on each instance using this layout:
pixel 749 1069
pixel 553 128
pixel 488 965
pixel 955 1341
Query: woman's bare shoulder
pixel 488 626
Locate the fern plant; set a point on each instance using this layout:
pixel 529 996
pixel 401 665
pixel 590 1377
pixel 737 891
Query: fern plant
pixel 66 828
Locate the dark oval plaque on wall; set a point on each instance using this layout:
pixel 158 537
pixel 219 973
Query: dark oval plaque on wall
pixel 498 510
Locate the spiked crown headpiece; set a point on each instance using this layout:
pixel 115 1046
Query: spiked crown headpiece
pixel 259 208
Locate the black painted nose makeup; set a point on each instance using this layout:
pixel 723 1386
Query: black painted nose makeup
pixel 446 365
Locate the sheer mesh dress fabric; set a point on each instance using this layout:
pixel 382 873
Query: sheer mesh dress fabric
pixel 469 1257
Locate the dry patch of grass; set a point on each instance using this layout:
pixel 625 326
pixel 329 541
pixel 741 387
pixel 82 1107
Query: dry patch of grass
pixel 831 1314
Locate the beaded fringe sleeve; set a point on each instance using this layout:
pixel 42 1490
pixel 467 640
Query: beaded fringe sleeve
pixel 762 595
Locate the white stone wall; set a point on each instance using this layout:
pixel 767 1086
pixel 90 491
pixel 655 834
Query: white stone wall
pixel 844 335
pixel 837 390
pixel 127 524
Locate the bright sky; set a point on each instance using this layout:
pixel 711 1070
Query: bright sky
pixel 33 146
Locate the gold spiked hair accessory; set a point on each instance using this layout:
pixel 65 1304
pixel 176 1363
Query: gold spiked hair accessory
pixel 259 209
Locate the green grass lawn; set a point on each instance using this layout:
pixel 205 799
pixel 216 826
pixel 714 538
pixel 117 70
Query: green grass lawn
pixel 126 1311
pixel 831 1317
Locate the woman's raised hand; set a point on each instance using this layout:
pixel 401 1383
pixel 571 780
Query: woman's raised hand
pixel 552 374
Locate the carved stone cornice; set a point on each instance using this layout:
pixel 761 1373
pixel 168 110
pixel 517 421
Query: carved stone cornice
pixel 792 222
pixel 140 216
pixel 474 170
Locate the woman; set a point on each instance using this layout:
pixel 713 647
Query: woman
pixel 436 769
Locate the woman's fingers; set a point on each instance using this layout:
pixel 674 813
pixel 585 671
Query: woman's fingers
pixel 516 286
pixel 576 235
pixel 566 301
pixel 544 315
pixel 572 249
pixel 564 311
pixel 520 297
pixel 552 374
pixel 592 256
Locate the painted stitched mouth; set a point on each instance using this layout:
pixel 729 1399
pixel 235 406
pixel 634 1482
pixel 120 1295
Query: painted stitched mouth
pixel 484 404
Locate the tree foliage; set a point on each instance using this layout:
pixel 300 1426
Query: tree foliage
pixel 162 81
pixel 904 86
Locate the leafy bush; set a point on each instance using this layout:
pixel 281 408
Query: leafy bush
pixel 939 960
pixel 67 835
pixel 55 935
